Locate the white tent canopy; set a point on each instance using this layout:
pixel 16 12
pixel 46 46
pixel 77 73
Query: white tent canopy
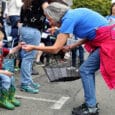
pixel 112 1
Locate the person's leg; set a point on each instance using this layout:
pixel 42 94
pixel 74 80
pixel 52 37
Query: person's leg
pixel 74 55
pixel 14 19
pixel 18 61
pixel 5 83
pixel 12 91
pixel 81 54
pixel 87 72
pixel 38 56
pixel 34 71
pixel 30 36
pixel 26 66
pixel 39 53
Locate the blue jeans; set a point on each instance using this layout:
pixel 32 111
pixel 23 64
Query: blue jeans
pixel 75 52
pixel 30 36
pixel 6 82
pixel 14 28
pixel 87 72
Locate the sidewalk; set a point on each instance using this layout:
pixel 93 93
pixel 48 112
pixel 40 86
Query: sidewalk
pixel 60 98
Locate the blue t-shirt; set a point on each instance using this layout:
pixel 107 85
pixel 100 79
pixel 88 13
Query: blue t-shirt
pixel 82 22
pixel 111 19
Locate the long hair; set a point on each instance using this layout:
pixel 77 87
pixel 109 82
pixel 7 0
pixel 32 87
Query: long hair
pixel 56 11
pixel 27 4
pixel 111 8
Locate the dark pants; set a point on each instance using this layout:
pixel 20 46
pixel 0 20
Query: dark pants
pixel 74 55
pixel 14 31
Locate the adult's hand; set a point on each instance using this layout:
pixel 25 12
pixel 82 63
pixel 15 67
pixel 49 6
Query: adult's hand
pixel 28 47
pixel 52 30
pixel 66 48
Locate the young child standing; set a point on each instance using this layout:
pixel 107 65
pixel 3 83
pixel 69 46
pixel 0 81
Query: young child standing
pixel 7 86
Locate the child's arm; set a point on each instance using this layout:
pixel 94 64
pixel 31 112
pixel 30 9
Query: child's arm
pixel 6 72
pixel 15 49
pixel 1 33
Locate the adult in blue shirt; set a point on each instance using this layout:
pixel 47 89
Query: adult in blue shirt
pixel 85 24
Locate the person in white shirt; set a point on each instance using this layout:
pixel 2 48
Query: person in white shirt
pixel 12 11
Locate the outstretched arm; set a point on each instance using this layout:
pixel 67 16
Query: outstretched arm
pixel 70 47
pixel 80 42
pixel 15 49
pixel 58 45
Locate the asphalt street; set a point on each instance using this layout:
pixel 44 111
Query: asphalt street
pixel 59 98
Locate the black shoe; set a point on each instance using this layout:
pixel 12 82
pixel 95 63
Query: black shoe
pixel 40 63
pixel 84 110
pixel 34 72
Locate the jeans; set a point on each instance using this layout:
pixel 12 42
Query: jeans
pixel 29 36
pixel 87 72
pixel 7 28
pixel 6 81
pixel 14 28
pixel 78 50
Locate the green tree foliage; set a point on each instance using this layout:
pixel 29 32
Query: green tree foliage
pixel 101 6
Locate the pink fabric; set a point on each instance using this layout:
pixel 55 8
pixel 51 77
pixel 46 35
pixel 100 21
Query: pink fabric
pixel 105 40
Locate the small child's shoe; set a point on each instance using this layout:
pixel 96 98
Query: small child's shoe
pixel 29 89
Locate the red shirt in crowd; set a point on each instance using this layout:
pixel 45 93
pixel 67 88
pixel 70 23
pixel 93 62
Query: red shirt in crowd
pixel 3 53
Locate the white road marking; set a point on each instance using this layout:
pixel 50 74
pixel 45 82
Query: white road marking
pixel 36 99
pixel 57 103
pixel 60 103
